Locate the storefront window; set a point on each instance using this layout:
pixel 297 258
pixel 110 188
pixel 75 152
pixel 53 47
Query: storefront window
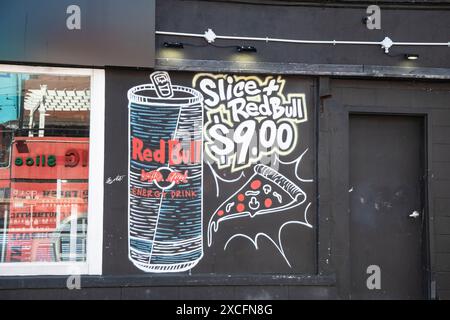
pixel 44 167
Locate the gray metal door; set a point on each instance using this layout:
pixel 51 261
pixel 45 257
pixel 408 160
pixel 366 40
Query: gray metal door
pixel 387 207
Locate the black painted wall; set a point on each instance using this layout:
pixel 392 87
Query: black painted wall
pixel 332 281
pixel 298 22
pixel 408 97
pixel 387 97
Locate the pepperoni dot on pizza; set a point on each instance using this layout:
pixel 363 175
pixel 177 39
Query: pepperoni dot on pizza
pixel 241 197
pixel 220 213
pixel 240 207
pixel 256 184
pixel 268 203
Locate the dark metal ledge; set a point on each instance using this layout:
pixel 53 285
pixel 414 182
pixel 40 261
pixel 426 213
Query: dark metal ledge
pixel 391 4
pixel 304 69
pixel 55 282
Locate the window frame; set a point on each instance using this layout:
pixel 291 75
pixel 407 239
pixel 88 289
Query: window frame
pixel 93 263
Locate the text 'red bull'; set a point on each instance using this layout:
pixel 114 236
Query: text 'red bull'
pixel 176 152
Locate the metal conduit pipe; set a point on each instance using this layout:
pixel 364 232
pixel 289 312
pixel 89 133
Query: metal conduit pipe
pixel 386 44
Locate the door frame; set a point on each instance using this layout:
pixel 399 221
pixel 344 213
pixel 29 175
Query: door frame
pixel 334 133
pixel 425 252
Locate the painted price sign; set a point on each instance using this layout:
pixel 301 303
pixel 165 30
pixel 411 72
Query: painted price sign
pixel 220 173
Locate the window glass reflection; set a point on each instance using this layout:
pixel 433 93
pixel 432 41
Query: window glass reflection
pixel 44 156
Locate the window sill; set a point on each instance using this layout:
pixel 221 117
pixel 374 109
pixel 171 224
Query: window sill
pixel 39 282
pixel 43 269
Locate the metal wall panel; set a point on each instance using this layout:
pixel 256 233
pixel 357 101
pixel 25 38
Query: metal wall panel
pixel 113 32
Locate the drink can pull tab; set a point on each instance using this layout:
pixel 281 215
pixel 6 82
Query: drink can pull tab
pixel 162 84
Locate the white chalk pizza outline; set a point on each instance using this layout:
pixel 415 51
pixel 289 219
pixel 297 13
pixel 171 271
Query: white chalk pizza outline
pixel 268 174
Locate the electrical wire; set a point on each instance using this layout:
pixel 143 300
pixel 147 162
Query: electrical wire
pixel 386 44
pixel 195 45
pixel 218 46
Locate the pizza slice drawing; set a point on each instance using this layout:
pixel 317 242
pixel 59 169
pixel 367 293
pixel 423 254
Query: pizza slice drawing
pixel 267 191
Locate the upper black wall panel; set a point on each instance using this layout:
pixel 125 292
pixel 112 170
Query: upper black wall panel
pixel 307 23
pixel 112 33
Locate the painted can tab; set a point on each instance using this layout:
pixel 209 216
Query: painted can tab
pixel 162 84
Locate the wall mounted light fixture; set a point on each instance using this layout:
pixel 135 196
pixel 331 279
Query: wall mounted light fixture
pixel 411 56
pixel 246 49
pixel 174 45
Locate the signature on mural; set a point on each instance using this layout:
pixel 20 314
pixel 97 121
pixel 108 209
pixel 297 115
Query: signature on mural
pixel 117 178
